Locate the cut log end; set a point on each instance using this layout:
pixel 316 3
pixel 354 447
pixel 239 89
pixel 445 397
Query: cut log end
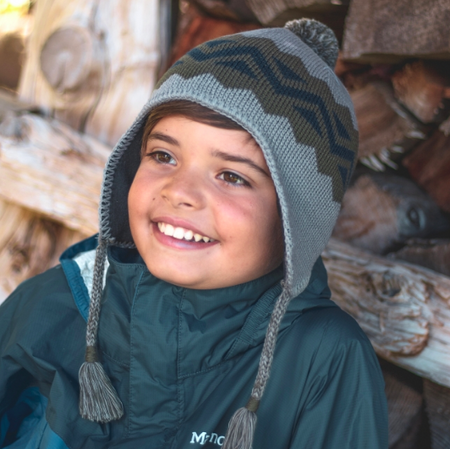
pixel 420 87
pixel 66 58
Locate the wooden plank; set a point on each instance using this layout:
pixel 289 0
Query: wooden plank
pixel 404 309
pixel 47 167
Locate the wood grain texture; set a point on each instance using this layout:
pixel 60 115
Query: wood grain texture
pixel 429 166
pixel 93 64
pixel 381 211
pixel 198 29
pixel 368 217
pixel 29 245
pixel 47 167
pixel 387 31
pixel 268 10
pixel 433 254
pixel 437 399
pixel 404 410
pixel 385 129
pixel 420 87
pixel 404 309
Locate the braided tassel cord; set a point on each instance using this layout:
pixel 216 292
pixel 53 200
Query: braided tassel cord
pixel 241 428
pixel 98 399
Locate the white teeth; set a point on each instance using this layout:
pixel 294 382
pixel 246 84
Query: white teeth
pixel 178 233
pixel 181 233
pixel 169 230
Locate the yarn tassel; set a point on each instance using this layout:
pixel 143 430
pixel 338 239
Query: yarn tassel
pixel 98 398
pixel 241 428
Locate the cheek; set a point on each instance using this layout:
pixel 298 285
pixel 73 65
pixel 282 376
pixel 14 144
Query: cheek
pixel 139 199
pixel 134 203
pixel 252 219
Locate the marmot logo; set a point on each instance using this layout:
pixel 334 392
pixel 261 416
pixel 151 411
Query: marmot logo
pixel 204 438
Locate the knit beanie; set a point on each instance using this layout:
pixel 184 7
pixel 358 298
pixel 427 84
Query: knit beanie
pixel 280 86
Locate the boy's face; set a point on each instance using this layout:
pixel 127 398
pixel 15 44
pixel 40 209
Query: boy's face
pixel 203 207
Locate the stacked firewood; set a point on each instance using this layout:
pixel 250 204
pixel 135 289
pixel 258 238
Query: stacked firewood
pixel 389 258
pixel 397 207
pixel 87 71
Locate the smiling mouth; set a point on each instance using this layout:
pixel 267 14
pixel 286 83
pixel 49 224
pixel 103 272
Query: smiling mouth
pixel 182 233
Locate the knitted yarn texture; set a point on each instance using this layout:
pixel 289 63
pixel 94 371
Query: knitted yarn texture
pixel 284 92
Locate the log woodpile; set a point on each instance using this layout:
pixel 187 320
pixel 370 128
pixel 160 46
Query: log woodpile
pixel 84 80
pixel 93 64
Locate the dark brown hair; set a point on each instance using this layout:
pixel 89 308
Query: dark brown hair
pixel 190 110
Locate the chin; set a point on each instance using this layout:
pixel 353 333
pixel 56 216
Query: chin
pixel 180 280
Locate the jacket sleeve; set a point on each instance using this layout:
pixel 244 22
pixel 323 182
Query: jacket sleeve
pixel 346 406
pixel 36 322
pixel 14 378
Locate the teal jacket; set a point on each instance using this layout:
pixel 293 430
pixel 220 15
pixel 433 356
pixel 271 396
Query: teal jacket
pixel 183 361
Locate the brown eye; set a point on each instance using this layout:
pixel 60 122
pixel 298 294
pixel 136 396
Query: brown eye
pixel 162 157
pixel 233 178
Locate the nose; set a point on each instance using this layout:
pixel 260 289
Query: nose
pixel 184 189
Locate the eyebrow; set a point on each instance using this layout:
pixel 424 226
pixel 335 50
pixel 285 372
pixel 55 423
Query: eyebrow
pixel 243 160
pixel 164 138
pixel 215 153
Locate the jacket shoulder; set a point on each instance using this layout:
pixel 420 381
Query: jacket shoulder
pixel 327 328
pixel 329 344
pixel 38 304
pixel 37 291
pixel 329 382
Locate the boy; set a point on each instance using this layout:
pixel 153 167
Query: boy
pixel 228 185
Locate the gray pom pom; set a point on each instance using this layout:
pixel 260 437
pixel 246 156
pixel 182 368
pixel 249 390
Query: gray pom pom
pixel 318 37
